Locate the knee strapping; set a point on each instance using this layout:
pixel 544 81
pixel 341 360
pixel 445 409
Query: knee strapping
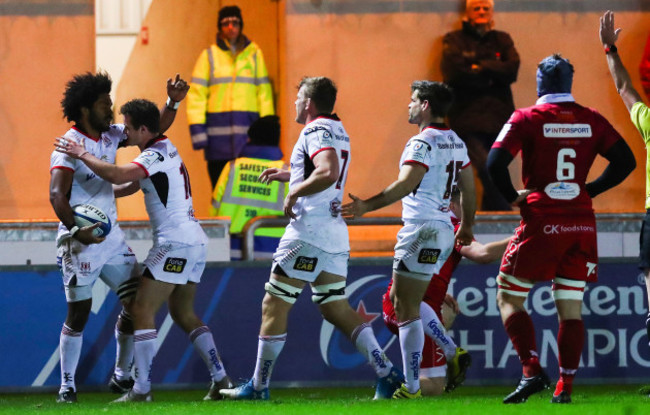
pixel 565 289
pixel 128 289
pixel 125 316
pixel 322 294
pixel 283 291
pixel 512 286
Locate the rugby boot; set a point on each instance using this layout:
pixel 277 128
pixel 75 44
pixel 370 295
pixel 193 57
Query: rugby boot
pixel 67 396
pixel 120 386
pixel 527 387
pixel 457 369
pixel 387 385
pixel 131 396
pixel 562 397
pixel 403 393
pixel 246 392
pixel 215 387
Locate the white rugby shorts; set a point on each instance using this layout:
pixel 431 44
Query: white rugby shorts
pixel 305 262
pixel 81 265
pixel 422 248
pixel 176 263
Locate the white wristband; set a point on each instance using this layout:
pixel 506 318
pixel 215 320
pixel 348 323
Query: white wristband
pixel 172 105
pixel 74 230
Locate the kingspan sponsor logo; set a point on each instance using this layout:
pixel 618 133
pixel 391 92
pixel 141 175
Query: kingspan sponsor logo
pixel 336 349
pixel 380 358
pixel 266 369
pixel 214 358
pixel 415 364
pixel 433 325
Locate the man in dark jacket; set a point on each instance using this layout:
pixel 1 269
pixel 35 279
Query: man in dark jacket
pixel 480 63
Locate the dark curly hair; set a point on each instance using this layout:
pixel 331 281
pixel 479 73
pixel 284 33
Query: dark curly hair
pixel 82 91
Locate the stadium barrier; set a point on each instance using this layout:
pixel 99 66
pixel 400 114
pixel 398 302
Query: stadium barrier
pixel 229 298
pixel 32 242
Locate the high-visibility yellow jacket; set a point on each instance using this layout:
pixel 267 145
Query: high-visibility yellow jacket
pixel 227 93
pixel 239 195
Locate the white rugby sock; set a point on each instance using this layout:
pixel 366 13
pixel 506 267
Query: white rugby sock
pixel 434 328
pixel 411 341
pixel 203 341
pixel 268 350
pixel 366 342
pixel 145 350
pixel 123 354
pixel 70 343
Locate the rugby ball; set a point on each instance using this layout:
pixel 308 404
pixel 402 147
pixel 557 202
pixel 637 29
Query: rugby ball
pixel 87 215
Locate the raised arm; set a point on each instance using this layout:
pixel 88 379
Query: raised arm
pixel 176 92
pixel 608 37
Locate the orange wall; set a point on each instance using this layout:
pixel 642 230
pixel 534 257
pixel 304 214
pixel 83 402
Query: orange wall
pixel 38 55
pixel 372 57
pixel 175 42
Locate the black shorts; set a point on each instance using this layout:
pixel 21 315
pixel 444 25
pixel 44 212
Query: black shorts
pixel 644 242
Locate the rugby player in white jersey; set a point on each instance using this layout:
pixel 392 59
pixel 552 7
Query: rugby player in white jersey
pixel 315 246
pixel 432 164
pixel 176 261
pixel 81 256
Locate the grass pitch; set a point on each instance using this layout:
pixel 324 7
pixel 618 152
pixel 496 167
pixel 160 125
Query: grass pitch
pixel 587 400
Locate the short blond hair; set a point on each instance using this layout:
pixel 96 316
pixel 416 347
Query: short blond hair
pixel 470 2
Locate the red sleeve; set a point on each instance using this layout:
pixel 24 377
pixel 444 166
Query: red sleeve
pixel 512 134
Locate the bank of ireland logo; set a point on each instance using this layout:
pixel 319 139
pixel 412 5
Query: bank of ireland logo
pixel 336 349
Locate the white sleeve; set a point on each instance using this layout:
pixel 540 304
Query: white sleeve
pixel 317 139
pixel 61 161
pixel 151 161
pixel 418 151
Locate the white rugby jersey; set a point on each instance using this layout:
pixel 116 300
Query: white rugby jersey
pixel 443 154
pixel 168 195
pixel 318 219
pixel 87 187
